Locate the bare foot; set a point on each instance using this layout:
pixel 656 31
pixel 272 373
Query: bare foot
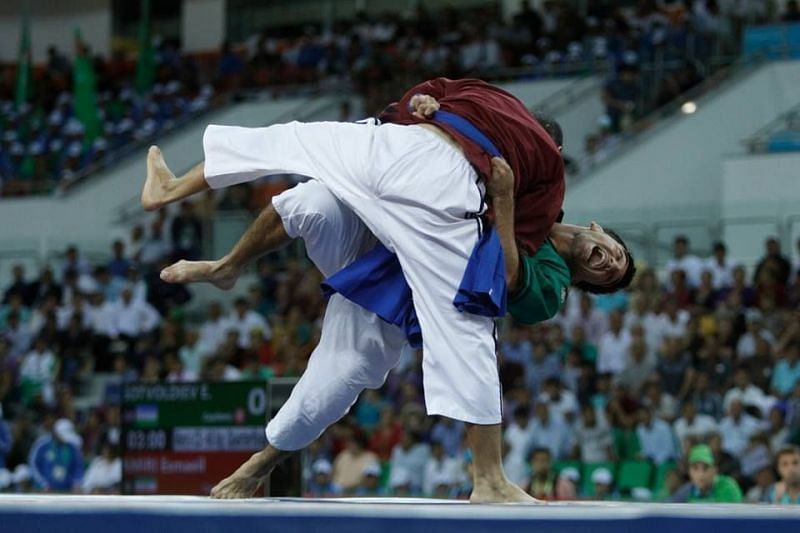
pixel 194 271
pixel 505 492
pixel 157 183
pixel 236 486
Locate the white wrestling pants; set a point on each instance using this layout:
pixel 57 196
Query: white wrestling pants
pixel 356 349
pixel 413 191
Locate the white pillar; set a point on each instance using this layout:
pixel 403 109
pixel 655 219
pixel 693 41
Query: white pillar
pixel 202 24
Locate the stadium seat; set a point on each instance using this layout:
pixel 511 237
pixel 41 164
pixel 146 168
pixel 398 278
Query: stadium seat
pixel 587 487
pixel 634 474
pixel 661 475
pixel 626 444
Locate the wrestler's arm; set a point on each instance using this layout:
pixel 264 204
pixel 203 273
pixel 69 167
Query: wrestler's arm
pixel 501 190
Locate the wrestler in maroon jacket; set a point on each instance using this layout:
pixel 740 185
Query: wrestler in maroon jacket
pixel 529 150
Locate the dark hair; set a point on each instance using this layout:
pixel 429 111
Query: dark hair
pixel 623 282
pixel 551 126
pixel 789 449
pixel 537 451
pixel 681 239
pixel 522 411
pixel 719 245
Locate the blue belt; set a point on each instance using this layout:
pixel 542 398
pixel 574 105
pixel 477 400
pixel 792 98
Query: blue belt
pixel 375 280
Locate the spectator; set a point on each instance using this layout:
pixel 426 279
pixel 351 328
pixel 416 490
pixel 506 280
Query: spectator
pixel 370 481
pixel 746 393
pixel 73 261
pixel 787 490
pixel 592 320
pixel 132 318
pixel 517 438
pixel 187 234
pixel 540 367
pixel 244 320
pixel 746 347
pixel 38 373
pixel 19 287
pixel 614 346
pixel 683 260
pixel 603 482
pixel 674 368
pixel 594 443
pixel 720 266
pixel 656 439
pixel 706 485
pixel 119 264
pixel 321 485
pixel 737 428
pixel 787 371
pixel 104 475
pixel 792 13
pixel 774 263
pixel 562 403
pixel 441 469
pixel 640 364
pixel 542 485
pixel 56 462
pixel 411 455
pixel 351 462
pixel 155 248
pixel 693 425
pixel 551 432
pixel 620 95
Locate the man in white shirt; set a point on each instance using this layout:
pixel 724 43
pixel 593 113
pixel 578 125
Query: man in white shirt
pixel 133 318
pixel 100 314
pixel 720 266
pixel 656 440
pixel 746 393
pixel 682 260
pixel 691 424
pixel 517 438
pixel 214 329
pixel 592 320
pixel 440 466
pixel 612 353
pixel 593 437
pixel 244 320
pixel 412 456
pixel 562 402
pixel 550 432
pixel 746 347
pixel 737 428
pixel 672 323
pixel 37 373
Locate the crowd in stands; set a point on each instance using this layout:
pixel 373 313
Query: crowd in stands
pixel 44 146
pixel 685 388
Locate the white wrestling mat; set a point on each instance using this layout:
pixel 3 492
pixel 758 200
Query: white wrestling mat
pixel 122 514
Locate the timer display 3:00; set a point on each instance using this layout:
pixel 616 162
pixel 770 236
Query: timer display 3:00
pixel 152 439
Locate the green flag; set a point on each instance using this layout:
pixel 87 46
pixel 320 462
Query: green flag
pixel 146 66
pixel 24 61
pixel 85 90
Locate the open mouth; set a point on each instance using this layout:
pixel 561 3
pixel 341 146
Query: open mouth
pixel 595 259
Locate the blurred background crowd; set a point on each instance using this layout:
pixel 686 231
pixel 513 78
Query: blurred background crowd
pixel 610 399
pixel 78 115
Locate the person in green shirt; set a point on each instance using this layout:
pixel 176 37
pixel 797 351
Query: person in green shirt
pixel 706 484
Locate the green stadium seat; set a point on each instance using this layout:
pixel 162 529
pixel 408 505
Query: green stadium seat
pixel 634 474
pixel 587 487
pixel 386 471
pixel 661 475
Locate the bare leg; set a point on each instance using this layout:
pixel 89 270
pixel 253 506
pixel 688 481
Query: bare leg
pixel 489 482
pixel 264 235
pixel 161 187
pixel 246 480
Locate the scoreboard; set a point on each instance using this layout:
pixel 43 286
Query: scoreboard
pixel 183 438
